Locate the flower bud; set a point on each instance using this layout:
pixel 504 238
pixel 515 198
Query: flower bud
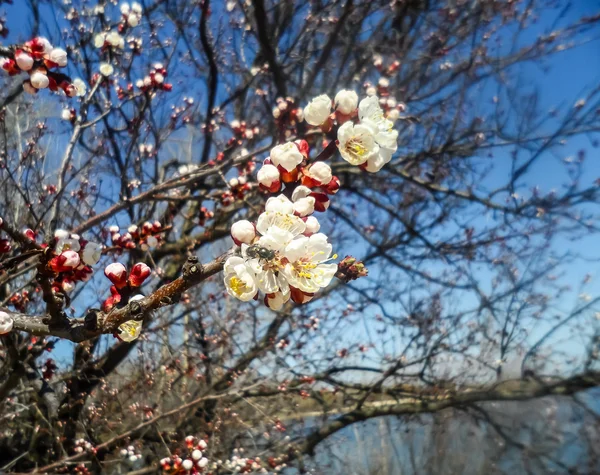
pixel 321 201
pixel 303 147
pixel 39 80
pixel 139 274
pixel 269 179
pixel 346 101
pixel 333 186
pixel 65 262
pixel 187 464
pixel 5 246
pixel 286 155
pixel 196 455
pixel 317 111
pixel 24 60
pixel 6 323
pixel 312 226
pixel 59 57
pixel 243 232
pixel 304 206
pixel 117 274
pixel 317 174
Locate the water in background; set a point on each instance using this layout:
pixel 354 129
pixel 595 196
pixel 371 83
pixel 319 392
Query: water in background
pixel 544 436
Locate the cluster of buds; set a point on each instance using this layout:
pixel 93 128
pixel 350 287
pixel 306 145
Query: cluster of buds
pixel 239 186
pixel 288 163
pixel 49 368
pixel 391 108
pixel 124 283
pixel 204 215
pixel 242 131
pixel 155 80
pixel 82 445
pixel 350 269
pixel 38 58
pixel 287 113
pixel 145 237
pixel 109 40
pixel 131 16
pixel 130 454
pixel 72 261
pixel 188 460
pixel 20 300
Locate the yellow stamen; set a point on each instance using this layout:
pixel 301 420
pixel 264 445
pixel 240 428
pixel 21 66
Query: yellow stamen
pixel 238 285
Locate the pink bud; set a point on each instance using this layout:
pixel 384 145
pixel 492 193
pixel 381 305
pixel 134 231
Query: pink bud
pixel 243 232
pixel 117 274
pixel 139 274
pixel 24 60
pixel 67 285
pixel 29 234
pixel 65 262
pixel 5 246
pixel 333 186
pixel 303 147
pixel 321 201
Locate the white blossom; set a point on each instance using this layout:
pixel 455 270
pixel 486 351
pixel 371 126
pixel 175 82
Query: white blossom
pixel 356 143
pixel 307 268
pixel 239 279
pixel 91 253
pixel 287 155
pixel 106 69
pixel 346 101
pixel 317 111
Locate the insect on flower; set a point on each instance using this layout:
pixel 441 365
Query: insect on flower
pixel 259 252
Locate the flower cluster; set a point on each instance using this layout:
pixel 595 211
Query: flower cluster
pixel 155 80
pixel 194 462
pixel 131 15
pixel 72 261
pixel 124 282
pixel 145 237
pixel 39 58
pixel 287 164
pixel 283 255
pixel 365 138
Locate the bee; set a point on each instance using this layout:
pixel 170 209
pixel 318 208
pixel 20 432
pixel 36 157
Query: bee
pixel 258 252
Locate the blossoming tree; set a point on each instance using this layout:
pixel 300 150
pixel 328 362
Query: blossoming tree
pixel 168 277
